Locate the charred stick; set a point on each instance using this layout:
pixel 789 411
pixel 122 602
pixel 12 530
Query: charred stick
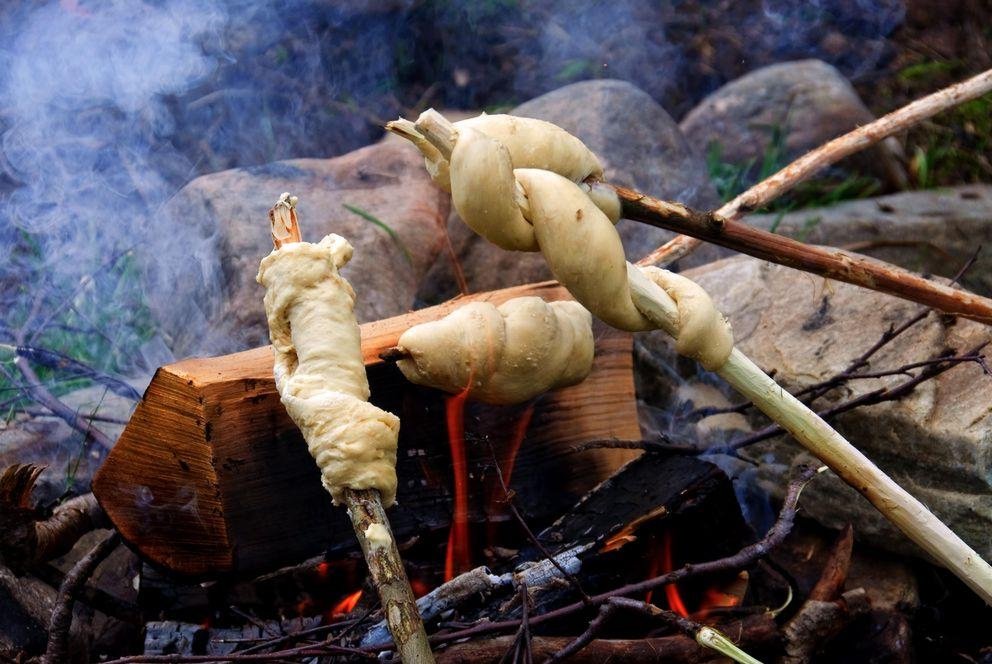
pixel 509 496
pixel 705 636
pixel 58 631
pixel 743 558
pixel 829 153
pixel 309 651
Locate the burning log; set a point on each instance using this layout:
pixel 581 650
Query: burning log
pixel 211 476
pixel 563 219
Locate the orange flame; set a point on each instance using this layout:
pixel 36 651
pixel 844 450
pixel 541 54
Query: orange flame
pixel 458 557
pixel 519 432
pixel 671 591
pixel 346 605
pixel 672 595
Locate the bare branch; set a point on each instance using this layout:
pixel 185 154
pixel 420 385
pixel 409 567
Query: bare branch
pixel 816 160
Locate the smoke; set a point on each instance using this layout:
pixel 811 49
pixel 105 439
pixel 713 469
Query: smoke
pixel 110 107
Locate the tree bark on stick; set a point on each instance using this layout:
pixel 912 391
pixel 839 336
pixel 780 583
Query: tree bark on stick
pixel 829 153
pixel 836 264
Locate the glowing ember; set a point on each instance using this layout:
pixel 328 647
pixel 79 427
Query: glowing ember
pixel 458 557
pixel 346 605
pixel 420 588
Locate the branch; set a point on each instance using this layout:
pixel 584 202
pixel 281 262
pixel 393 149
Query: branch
pixel 835 264
pixel 812 162
pixel 58 631
pixel 40 394
pixel 367 514
pixel 29 540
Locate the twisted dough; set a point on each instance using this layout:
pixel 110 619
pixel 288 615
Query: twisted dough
pixel 319 370
pixel 502 355
pixel 515 181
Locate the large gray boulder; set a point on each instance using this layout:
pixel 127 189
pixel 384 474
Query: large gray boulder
pixel 933 231
pixel 809 101
pixel 204 296
pixel 640 146
pixel 936 442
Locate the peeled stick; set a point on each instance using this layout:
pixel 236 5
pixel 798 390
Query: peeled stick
pixel 319 370
pixel 501 355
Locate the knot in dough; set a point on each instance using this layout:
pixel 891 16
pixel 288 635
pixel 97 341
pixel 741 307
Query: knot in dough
pixel 702 333
pixel 319 370
pixel 501 355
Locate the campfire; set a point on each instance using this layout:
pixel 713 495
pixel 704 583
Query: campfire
pixel 614 458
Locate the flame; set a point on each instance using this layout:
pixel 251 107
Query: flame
pixel 726 596
pixel 666 565
pixel 458 557
pixel 346 605
pixel 671 591
pixel 323 569
pixel 420 588
pixel 519 431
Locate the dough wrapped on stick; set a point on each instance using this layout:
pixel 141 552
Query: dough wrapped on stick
pixel 321 380
pixel 574 230
pixel 501 355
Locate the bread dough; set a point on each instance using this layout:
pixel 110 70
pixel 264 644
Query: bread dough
pixel 502 355
pixel 319 370
pixel 703 333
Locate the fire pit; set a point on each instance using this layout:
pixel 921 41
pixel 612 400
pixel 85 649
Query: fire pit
pixel 544 440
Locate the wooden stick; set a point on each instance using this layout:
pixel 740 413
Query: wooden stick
pixel 836 264
pixel 895 503
pixel 366 512
pixel 829 153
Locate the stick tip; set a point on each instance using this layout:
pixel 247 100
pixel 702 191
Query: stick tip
pixel 283 220
pixel 394 354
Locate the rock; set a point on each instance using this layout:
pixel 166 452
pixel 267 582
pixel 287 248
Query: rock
pixel 808 100
pixel 204 294
pixel 640 146
pixel 48 441
pixel 935 442
pixel 934 231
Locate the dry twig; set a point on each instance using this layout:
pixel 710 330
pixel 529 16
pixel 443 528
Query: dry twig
pixel 814 161
pixel 743 558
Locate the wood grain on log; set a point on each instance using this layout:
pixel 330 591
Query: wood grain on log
pixel 211 475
